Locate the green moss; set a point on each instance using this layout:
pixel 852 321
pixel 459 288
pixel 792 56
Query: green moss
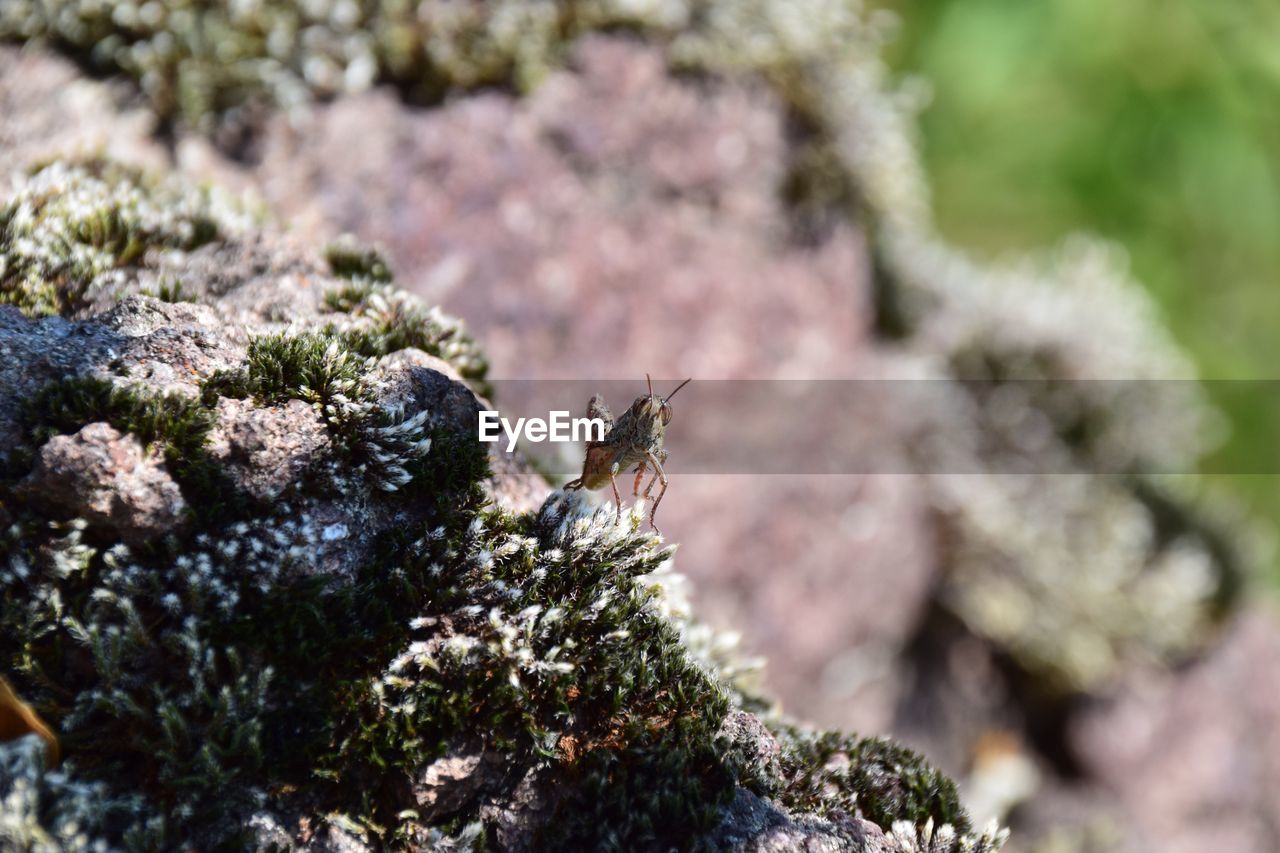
pixel 348 259
pixel 387 319
pixel 233 384
pixel 379 445
pixel 74 230
pixel 179 426
pixel 171 291
pixel 882 781
pixel 195 680
pixel 554 655
pixel 314 367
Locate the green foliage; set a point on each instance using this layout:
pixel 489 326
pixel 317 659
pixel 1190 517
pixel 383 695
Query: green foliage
pixel 1153 126
pixel 348 259
pixel 171 291
pixel 313 367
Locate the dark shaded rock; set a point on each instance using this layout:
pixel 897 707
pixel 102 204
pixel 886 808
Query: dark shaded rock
pixel 446 784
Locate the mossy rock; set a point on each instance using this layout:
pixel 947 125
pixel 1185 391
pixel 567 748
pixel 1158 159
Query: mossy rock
pixel 386 652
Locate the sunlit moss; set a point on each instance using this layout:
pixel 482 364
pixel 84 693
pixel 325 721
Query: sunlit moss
pixel 75 230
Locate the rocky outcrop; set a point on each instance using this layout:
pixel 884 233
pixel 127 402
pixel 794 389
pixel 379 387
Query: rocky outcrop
pixel 731 193
pixel 268 588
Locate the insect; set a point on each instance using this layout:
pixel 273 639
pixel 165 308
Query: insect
pixel 634 439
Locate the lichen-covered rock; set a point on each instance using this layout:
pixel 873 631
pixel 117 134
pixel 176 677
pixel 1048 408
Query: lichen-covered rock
pixel 764 216
pixel 109 480
pixel 260 575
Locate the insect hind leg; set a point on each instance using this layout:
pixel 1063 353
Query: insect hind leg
pixel 617 498
pixel 662 477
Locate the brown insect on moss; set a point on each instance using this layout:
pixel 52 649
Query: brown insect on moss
pixel 634 439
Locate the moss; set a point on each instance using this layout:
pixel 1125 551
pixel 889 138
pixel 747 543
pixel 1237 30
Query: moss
pixel 386 319
pixel 311 366
pixel 75 230
pixel 179 426
pixel 348 259
pixel 554 656
pixel 220 62
pixel 171 291
pixel 882 781
pixel 217 673
pixel 321 368
pixel 195 681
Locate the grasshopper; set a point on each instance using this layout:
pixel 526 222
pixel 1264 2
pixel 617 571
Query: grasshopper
pixel 634 439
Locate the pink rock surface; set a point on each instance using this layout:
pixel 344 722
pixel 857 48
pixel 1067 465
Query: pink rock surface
pixel 620 221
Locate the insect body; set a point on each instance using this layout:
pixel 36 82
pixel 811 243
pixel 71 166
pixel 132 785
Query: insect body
pixel 635 438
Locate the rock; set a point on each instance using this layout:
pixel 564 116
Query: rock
pixel 447 783
pixel 420 381
pixel 110 480
pixel 622 217
pixel 268 450
pixel 515 818
pixel 1193 756
pixel 49 105
pixel 759 826
pixel 329 583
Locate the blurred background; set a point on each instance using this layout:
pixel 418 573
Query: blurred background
pixel 1155 123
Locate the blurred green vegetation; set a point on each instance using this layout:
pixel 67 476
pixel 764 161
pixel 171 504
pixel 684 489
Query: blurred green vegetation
pixel 1154 123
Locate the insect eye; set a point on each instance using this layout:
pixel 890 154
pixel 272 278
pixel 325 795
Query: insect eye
pixel 665 414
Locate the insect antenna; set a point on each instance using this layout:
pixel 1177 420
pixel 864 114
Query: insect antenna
pixel 678 387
